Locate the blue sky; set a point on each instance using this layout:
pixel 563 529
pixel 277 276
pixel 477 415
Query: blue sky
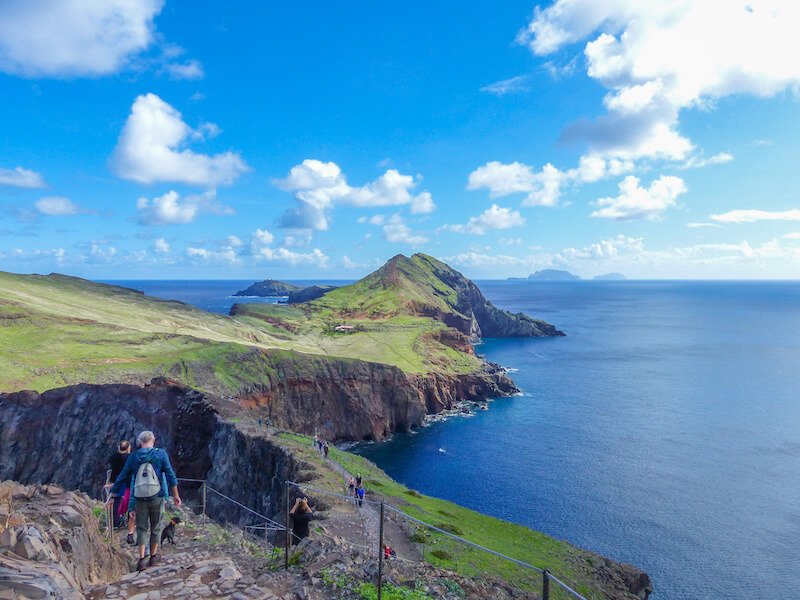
pixel 176 139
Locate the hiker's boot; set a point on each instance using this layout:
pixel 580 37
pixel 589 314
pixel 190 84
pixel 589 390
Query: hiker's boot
pixel 130 539
pixel 154 560
pixel 142 565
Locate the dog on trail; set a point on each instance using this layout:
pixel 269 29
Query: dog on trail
pixel 169 531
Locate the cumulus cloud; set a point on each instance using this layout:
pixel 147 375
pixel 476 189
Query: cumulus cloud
pixel 794 235
pixel 315 258
pixel 224 255
pixel 492 218
pixel 658 58
pixel 396 231
pixel 161 246
pixel 57 206
pixel 320 186
pixel 697 162
pixel 19 177
pixel 508 86
pixel 64 38
pixel 262 236
pixel 752 215
pixel 170 209
pixel 191 69
pixel 151 148
pixel 544 187
pixel 637 202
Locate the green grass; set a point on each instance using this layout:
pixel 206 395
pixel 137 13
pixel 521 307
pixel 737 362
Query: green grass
pixel 516 541
pixel 57 330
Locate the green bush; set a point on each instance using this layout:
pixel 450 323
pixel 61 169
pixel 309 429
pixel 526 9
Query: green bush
pixel 367 591
pixel 441 554
pixel 450 528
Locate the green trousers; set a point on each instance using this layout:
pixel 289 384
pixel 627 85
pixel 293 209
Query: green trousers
pixel 148 517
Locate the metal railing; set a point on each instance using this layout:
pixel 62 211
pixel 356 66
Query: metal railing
pixel 547 576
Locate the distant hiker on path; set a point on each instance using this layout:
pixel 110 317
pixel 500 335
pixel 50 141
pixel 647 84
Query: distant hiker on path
pixel 325 449
pixel 301 517
pixel 351 485
pixel 360 493
pixel 153 477
pixel 117 461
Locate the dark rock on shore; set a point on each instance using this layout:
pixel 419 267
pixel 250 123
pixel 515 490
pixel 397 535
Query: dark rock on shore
pixel 269 288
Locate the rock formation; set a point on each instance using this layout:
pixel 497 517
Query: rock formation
pixel 269 288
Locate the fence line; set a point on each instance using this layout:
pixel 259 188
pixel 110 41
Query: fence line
pixel 547 576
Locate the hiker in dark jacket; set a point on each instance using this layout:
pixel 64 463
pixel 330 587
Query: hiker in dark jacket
pixel 117 461
pixel 154 479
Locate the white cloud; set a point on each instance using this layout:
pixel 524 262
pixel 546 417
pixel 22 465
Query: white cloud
pixel 151 148
pixel 510 241
pixel 794 235
pixel 396 231
pixel 161 246
pixel 373 220
pixel 543 188
pixel 169 209
pixel 660 57
pixel 636 202
pixel 57 206
pixel 191 69
pixel 234 241
pixel 347 263
pixel 492 218
pixel 508 86
pixel 225 254
pixel 19 177
pixel 696 162
pixel 262 236
pixel 750 216
pixel 320 186
pixel 99 252
pixel 65 38
pixel 701 225
pixel 314 258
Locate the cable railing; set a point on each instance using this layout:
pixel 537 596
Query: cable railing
pixel 546 575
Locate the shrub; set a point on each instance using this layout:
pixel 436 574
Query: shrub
pixel 441 554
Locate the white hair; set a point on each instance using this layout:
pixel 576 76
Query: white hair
pixel 144 437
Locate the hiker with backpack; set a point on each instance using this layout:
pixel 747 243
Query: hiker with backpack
pixel 116 461
pixel 153 480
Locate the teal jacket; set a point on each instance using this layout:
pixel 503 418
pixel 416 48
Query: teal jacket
pixel 158 458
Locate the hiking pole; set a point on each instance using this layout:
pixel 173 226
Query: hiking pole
pixel 286 537
pixel 380 554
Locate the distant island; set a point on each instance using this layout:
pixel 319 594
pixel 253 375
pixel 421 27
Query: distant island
pixel 553 275
pixel 294 294
pixel 269 288
pixel 561 275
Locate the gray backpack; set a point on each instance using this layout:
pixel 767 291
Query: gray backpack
pixel 146 484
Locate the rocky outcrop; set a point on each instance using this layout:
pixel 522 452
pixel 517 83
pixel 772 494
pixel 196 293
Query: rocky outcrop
pixel 269 288
pixel 66 436
pixel 51 544
pixel 483 319
pixel 358 400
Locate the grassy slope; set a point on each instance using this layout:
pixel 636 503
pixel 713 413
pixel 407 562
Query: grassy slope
pixel 565 561
pixel 58 330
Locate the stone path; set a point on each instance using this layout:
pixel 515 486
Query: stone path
pixel 195 567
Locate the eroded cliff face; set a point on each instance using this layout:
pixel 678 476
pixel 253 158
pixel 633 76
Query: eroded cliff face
pixel 358 400
pixel 66 436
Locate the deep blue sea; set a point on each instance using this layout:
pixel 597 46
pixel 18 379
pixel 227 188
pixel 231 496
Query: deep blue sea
pixel 663 431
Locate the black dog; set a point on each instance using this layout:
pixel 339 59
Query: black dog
pixel 169 530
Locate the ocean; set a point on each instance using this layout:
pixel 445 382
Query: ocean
pixel 663 430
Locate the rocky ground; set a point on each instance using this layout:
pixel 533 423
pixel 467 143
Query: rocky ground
pixel 53 545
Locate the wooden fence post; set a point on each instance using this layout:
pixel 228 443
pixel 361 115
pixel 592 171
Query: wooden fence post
pixel 380 555
pixel 546 585
pixel 287 540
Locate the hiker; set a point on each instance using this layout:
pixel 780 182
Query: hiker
pixel 358 480
pixel 325 449
pixel 153 476
pixel 116 461
pixel 388 552
pixel 301 516
pixel 351 486
pixel 360 493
